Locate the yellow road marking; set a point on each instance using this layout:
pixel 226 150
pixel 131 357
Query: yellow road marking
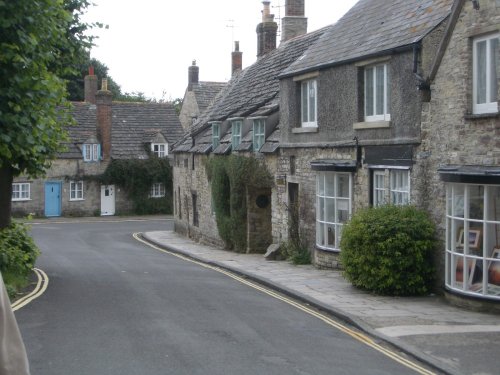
pixel 41 287
pixel 354 334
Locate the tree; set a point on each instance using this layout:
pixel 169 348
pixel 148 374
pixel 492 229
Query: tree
pixel 41 41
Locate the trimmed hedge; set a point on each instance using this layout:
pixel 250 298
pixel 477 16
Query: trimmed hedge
pixel 388 250
pixel 18 254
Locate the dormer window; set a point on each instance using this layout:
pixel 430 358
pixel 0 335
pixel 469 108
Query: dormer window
pixel 159 149
pixel 215 135
pixel 236 133
pixel 259 133
pixel 91 152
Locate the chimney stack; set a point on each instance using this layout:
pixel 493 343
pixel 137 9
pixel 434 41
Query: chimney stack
pixel 236 59
pixel 294 23
pixel 104 118
pixel 90 86
pixel 266 31
pixel 193 75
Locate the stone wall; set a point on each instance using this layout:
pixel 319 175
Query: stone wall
pixel 450 134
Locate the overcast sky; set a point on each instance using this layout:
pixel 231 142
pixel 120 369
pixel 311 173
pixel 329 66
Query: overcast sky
pixel 150 44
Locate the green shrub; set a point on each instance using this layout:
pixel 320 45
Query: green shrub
pixel 388 250
pixel 297 252
pixel 18 254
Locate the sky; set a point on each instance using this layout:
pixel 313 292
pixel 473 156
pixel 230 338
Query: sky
pixel 149 44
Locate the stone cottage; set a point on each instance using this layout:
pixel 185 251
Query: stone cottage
pixel 104 131
pixel 243 120
pixel 460 149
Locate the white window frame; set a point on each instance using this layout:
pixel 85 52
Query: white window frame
pixel 157 190
pixel 160 149
pixel 490 103
pixel 76 190
pixel 21 191
pixel 471 210
pixel 215 135
pixel 91 152
pixel 394 190
pixel 236 126
pixel 309 103
pixel 385 85
pixel 331 230
pixel 379 190
pixel 259 133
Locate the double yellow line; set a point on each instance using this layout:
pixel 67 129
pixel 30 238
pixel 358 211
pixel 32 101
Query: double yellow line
pixel 40 288
pixel 354 334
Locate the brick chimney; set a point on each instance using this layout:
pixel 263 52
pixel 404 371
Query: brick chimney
pixel 193 75
pixel 266 31
pixel 236 59
pixel 90 86
pixel 294 23
pixel 104 118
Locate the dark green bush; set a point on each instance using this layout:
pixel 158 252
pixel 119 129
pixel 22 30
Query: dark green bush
pixel 297 252
pixel 18 254
pixel 388 250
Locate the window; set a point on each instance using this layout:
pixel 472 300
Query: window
pixel 236 133
pixel 21 191
pixel 76 190
pixel 159 149
pixel 333 208
pixel 157 190
pixel 259 133
pixel 486 61
pixel 379 188
pixel 308 103
pixel 215 135
pixel 473 239
pixel 396 192
pixel 377 93
pixel 91 152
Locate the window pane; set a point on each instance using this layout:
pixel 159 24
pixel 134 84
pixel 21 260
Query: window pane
pixel 380 83
pixel 494 62
pixel 312 101
pixel 343 186
pixel 321 209
pixel 481 72
pixel 305 117
pixel 330 236
pixel 321 185
pixel 369 110
pixel 330 184
pixel 330 210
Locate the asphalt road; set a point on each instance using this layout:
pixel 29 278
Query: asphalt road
pixel 115 306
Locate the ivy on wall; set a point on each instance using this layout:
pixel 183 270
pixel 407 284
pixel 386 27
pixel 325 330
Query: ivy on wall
pixel 231 177
pixel 136 176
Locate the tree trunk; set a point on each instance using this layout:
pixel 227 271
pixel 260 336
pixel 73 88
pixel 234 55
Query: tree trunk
pixel 6 179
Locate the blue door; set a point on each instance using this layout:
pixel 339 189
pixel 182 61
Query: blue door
pixel 52 199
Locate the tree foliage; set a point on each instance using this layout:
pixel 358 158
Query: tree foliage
pixel 231 177
pixel 41 40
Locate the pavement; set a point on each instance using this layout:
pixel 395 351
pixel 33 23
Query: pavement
pixel 451 339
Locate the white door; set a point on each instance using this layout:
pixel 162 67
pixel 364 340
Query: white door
pixel 107 200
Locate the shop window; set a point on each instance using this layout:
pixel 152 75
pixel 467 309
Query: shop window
pixel 473 239
pixel 333 208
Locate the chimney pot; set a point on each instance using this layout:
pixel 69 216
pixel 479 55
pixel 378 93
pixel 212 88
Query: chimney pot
pixel 266 31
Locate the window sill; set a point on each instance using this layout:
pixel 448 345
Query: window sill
pixel 327 249
pixel 310 129
pixel 481 116
pixel 77 200
pixel 371 125
pixel 21 200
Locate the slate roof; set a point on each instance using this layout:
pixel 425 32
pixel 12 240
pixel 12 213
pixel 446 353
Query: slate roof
pixel 205 92
pixel 373 27
pixel 251 92
pixel 133 125
pixel 258 84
